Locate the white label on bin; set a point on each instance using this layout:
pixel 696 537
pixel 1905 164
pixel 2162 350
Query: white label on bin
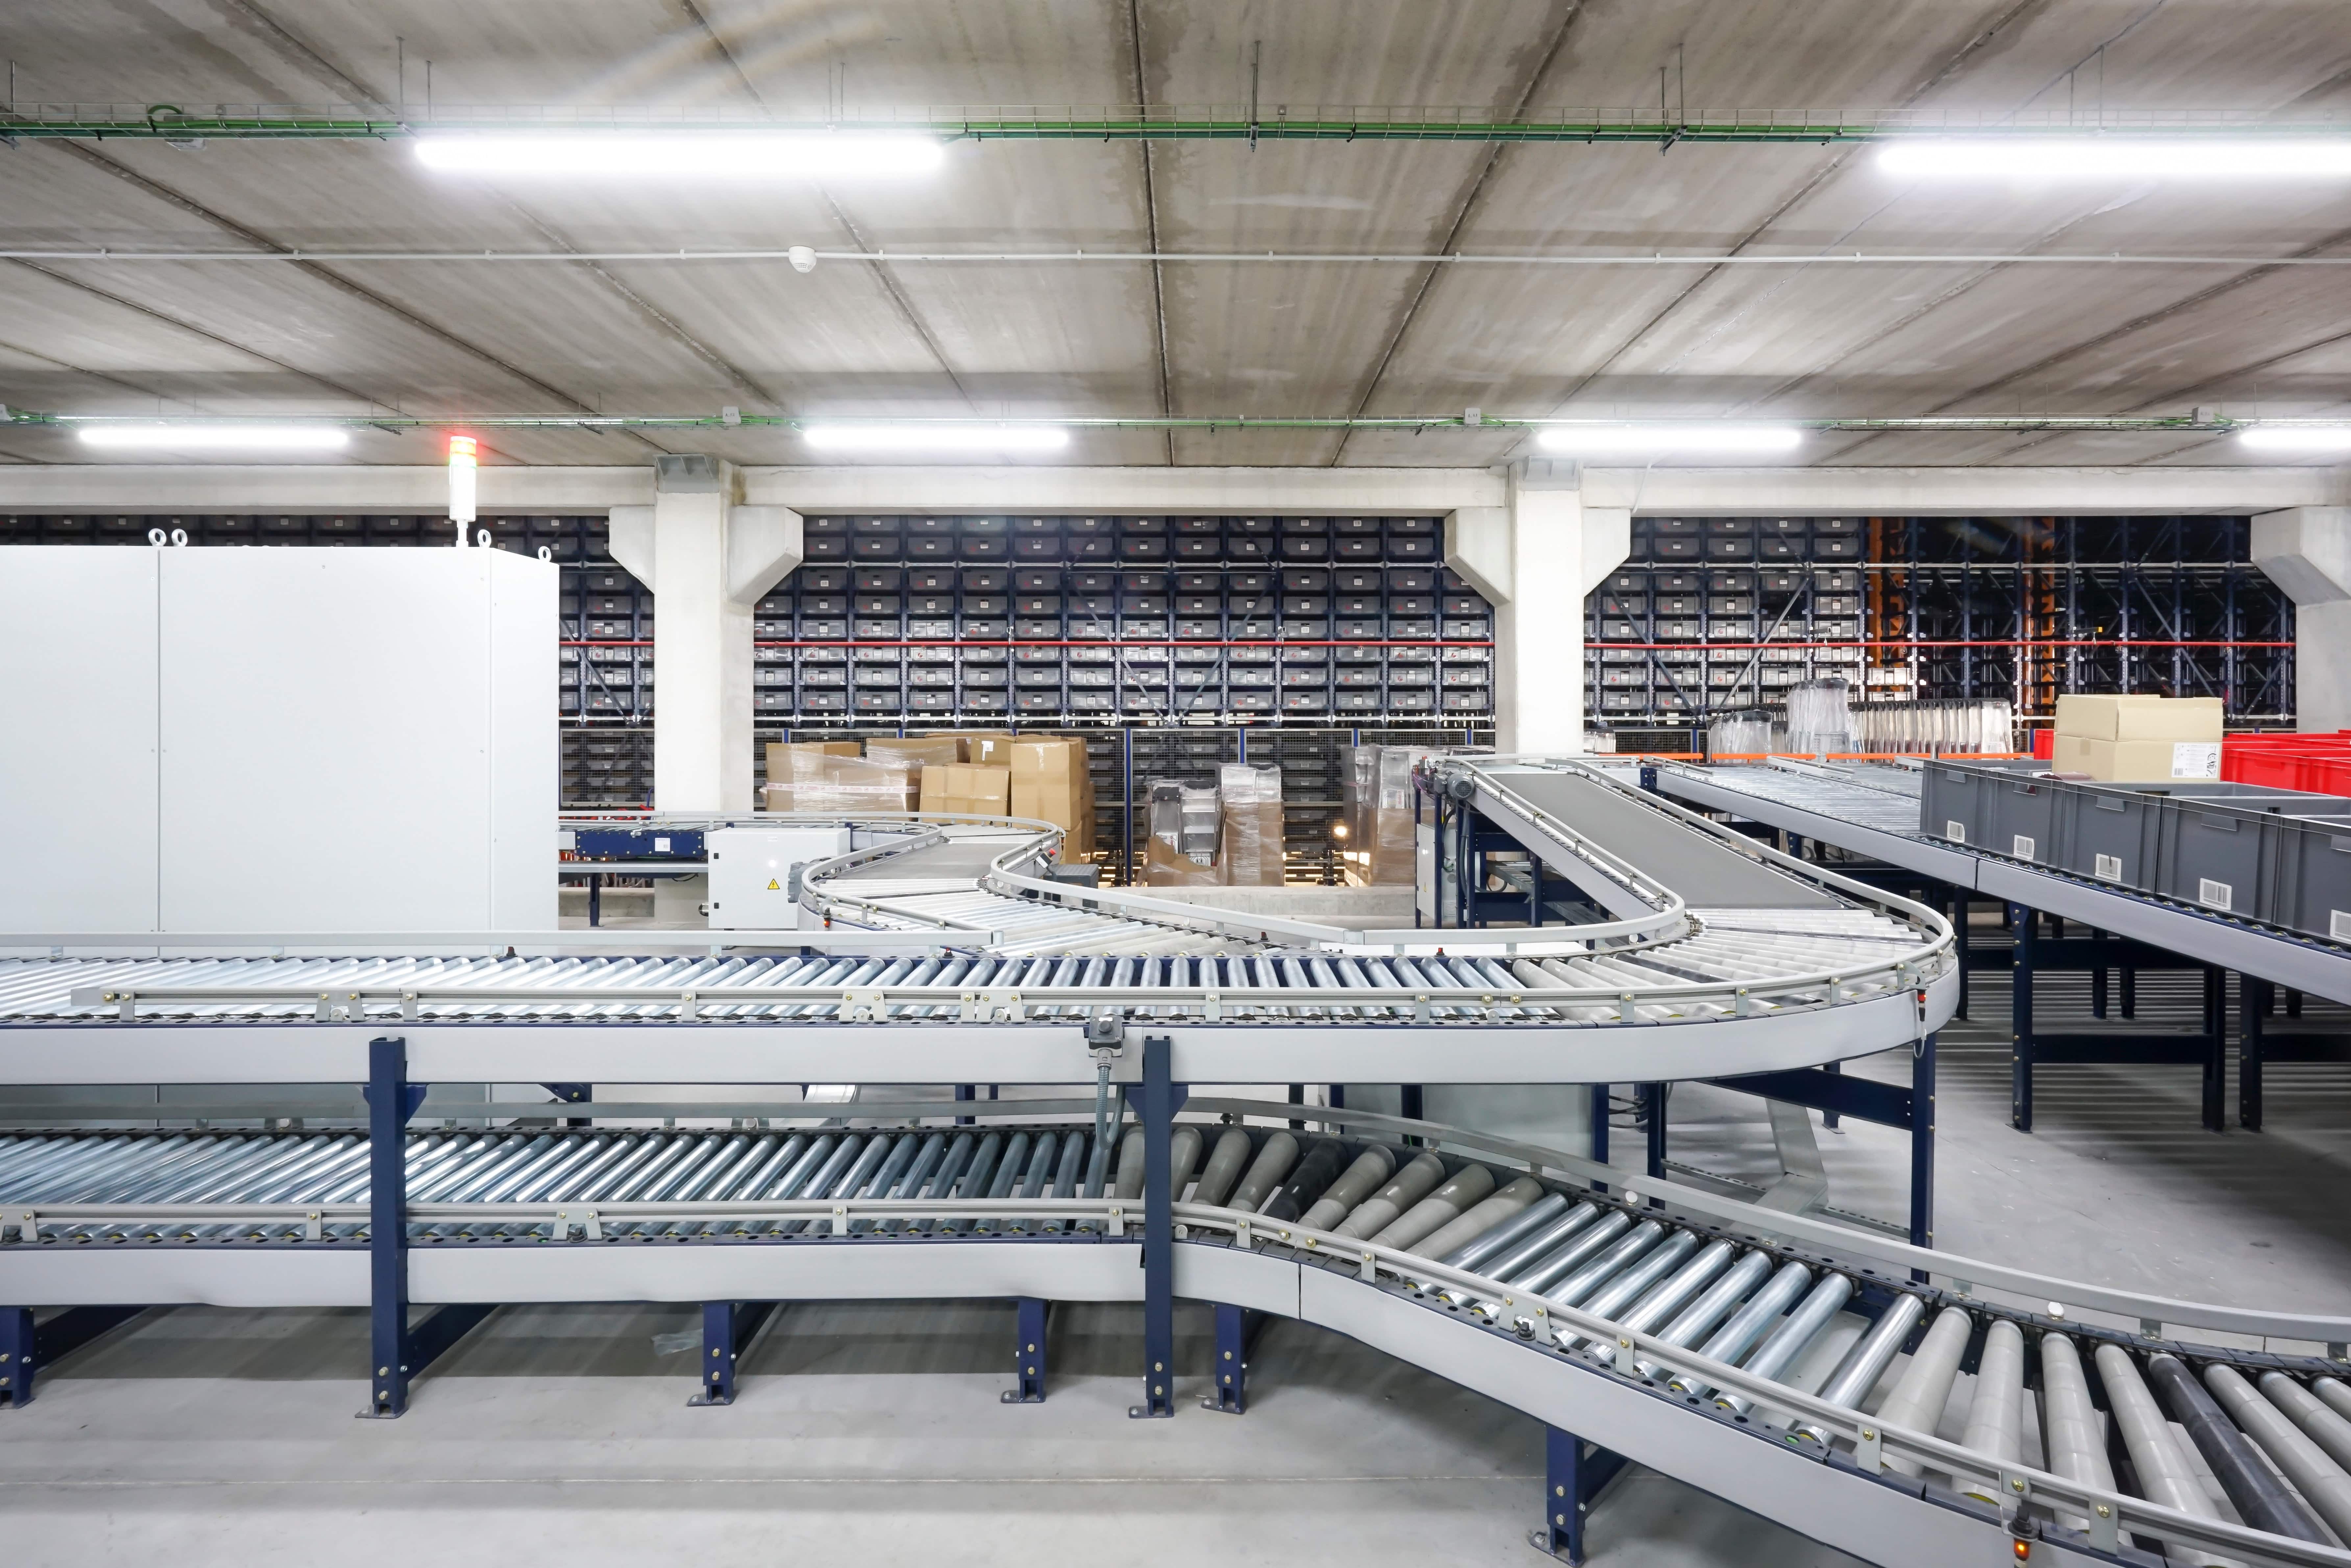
pixel 2338 924
pixel 2196 759
pixel 1956 831
pixel 2110 868
pixel 2023 850
pixel 2212 895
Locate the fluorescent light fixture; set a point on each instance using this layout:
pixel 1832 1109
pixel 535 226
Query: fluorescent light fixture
pixel 2296 437
pixel 1696 436
pixel 218 437
pixel 2047 160
pixel 686 155
pixel 936 437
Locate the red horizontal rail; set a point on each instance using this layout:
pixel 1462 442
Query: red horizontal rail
pixel 1981 642
pixel 1087 643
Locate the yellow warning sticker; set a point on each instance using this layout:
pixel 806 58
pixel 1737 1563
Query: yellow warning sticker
pixel 772 887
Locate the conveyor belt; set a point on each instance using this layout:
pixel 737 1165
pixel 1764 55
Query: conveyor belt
pixel 1727 1350
pixel 1872 810
pixel 1707 873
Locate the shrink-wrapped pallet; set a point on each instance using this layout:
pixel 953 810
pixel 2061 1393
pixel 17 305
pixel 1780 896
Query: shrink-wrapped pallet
pixel 1251 803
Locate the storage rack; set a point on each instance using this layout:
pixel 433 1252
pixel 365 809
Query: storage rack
pixel 1718 615
pixel 1149 620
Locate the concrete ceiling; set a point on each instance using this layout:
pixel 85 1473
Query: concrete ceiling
pixel 1191 339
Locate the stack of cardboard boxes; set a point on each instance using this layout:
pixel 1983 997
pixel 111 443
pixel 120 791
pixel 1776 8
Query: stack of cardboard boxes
pixel 976 774
pixel 2135 739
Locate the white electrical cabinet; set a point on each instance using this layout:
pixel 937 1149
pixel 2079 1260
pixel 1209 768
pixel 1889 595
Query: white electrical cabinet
pixel 755 874
pixel 212 739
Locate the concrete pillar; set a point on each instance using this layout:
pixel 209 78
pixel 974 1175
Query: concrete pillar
pixel 708 558
pixel 2306 551
pixel 1535 558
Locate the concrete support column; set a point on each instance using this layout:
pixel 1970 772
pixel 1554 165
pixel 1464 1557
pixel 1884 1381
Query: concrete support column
pixel 1535 558
pixel 2306 551
pixel 707 559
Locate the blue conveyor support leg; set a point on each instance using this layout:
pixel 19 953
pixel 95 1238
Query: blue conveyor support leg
pixel 2022 923
pixel 726 1329
pixel 401 1351
pixel 26 1347
pixel 1653 1097
pixel 2216 1048
pixel 1229 1390
pixel 1027 1352
pixel 1574 1472
pixel 2254 999
pixel 1162 1097
pixel 1922 1146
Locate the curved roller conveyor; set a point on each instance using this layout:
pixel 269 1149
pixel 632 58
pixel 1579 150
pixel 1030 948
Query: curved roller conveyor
pixel 1721 1344
pixel 1751 961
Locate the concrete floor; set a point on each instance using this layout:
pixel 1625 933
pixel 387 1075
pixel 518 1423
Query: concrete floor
pixel 217 1436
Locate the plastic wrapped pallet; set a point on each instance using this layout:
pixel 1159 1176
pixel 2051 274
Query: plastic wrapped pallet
pixel 832 785
pixel 1820 718
pixel 779 796
pixel 1181 848
pixel 1251 803
pixel 1380 828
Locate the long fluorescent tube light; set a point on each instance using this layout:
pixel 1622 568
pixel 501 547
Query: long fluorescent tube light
pixel 1635 439
pixel 2296 437
pixel 2044 160
pixel 936 437
pixel 218 437
pixel 695 155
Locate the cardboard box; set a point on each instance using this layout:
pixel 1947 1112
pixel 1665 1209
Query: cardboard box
pixel 1051 784
pixel 2132 718
pixel 991 747
pixel 963 752
pixel 968 790
pixel 2139 761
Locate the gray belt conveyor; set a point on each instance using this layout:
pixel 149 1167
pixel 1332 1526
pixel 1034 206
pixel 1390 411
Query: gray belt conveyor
pixel 1796 1369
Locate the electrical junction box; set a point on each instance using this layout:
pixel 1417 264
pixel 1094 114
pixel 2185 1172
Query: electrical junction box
pixel 755 874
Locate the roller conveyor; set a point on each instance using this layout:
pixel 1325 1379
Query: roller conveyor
pixel 1872 810
pixel 1746 1342
pixel 1818 970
